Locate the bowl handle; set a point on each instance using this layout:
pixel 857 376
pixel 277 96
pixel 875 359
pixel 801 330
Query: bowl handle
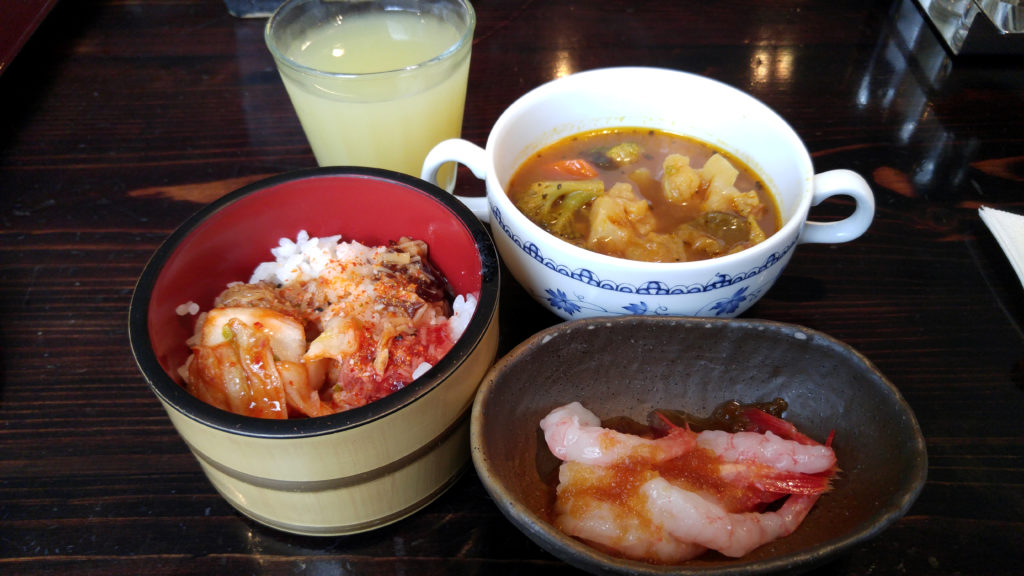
pixel 463 152
pixel 840 183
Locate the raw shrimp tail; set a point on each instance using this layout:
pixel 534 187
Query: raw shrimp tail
pixel 783 483
pixel 765 422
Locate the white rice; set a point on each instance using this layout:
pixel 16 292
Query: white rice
pixel 305 258
pixel 463 308
pixel 421 370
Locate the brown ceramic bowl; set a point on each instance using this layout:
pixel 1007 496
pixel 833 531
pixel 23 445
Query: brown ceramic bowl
pixel 630 366
pixel 351 471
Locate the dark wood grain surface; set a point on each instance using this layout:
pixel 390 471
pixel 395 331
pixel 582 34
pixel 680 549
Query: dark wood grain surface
pixel 121 118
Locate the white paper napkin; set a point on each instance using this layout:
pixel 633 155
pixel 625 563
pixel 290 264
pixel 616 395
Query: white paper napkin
pixel 1008 229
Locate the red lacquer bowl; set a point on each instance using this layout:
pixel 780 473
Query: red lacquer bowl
pixel 351 471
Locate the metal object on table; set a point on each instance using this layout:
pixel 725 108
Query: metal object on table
pixel 978 26
pixel 252 8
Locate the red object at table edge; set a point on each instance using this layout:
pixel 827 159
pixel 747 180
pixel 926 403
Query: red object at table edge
pixel 19 22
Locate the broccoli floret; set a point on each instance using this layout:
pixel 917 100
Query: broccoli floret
pixel 616 156
pixel 552 203
pixel 624 153
pixel 729 228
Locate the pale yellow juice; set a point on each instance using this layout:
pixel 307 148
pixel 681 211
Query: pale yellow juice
pixel 382 115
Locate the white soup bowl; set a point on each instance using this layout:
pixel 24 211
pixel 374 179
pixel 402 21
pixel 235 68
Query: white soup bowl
pixel 574 282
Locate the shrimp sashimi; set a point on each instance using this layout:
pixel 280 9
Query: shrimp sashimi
pixel 671 498
pixel 574 433
pixel 583 510
pixel 691 517
pixel 768 449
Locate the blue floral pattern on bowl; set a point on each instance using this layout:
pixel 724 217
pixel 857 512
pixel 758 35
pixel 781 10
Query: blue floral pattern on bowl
pixel 575 303
pixel 572 304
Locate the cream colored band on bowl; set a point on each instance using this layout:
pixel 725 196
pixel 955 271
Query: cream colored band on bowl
pixel 335 483
pixel 343 529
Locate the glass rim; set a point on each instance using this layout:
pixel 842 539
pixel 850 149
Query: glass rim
pixel 280 57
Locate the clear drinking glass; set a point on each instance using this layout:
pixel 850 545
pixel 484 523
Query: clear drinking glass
pixel 375 82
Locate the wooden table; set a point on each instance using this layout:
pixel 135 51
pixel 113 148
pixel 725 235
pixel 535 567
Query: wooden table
pixel 121 118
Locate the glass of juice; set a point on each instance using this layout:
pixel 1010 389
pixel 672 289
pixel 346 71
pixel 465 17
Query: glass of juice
pixel 375 82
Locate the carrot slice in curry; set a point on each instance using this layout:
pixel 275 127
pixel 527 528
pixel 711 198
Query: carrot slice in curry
pixel 576 168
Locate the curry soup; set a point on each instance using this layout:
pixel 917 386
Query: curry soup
pixel 645 194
